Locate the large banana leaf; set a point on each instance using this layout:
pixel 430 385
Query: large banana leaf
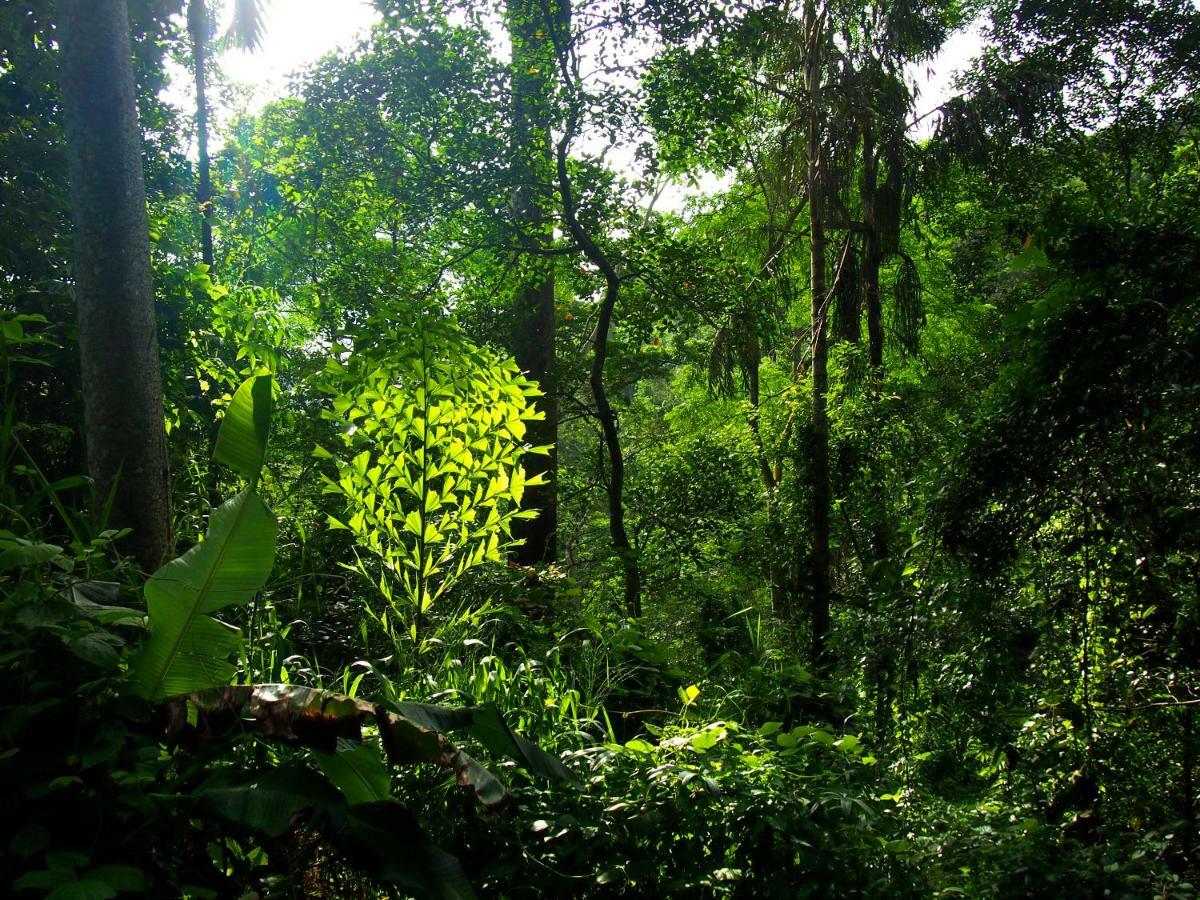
pixel 358 771
pixel 487 725
pixel 187 650
pixel 268 801
pixel 389 843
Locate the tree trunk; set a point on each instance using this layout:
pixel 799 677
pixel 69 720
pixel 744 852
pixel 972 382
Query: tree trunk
pixel 819 450
pixel 1189 780
pixel 604 413
pixel 819 456
pixel 533 320
pixel 872 250
pixel 198 29
pixel 777 578
pixel 118 341
pixel 616 459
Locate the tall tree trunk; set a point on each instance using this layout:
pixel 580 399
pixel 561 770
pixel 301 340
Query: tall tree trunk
pixel 819 454
pixel 872 260
pixel 604 412
pixel 198 28
pixel 198 31
pixel 776 573
pixel 533 319
pixel 1189 780
pixel 872 251
pixel 118 341
pixel 819 449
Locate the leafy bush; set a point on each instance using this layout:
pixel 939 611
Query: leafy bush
pixel 90 769
pixel 433 431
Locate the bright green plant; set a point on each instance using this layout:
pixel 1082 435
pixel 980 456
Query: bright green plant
pixel 434 432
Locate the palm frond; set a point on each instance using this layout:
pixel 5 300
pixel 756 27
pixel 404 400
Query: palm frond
pixel 248 26
pixel 908 314
pixel 848 298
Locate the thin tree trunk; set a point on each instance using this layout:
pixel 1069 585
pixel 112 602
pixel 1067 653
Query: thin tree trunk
pixel 872 253
pixel 776 575
pixel 118 340
pixel 1189 780
pixel 781 582
pixel 604 413
pixel 198 28
pixel 533 334
pixel 883 701
pixel 819 450
pixel 819 461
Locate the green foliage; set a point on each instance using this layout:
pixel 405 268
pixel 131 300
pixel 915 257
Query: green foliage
pixel 183 663
pixel 714 808
pixel 242 440
pixel 1008 705
pixel 433 435
pixel 188 650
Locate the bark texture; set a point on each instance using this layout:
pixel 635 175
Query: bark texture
pixel 533 336
pixel 118 341
pixel 872 249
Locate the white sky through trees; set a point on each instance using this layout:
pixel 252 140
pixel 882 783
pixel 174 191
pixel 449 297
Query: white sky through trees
pixel 299 32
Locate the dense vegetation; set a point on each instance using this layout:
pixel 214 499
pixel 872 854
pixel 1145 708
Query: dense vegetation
pixel 398 499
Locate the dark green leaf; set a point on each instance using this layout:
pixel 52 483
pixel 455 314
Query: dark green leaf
pixel 187 650
pixel 267 802
pixel 358 771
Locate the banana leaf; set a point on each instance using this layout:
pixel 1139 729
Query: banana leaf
pixel 381 836
pixel 187 649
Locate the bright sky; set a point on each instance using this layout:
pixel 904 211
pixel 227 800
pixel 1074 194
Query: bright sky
pixel 299 32
pixel 936 80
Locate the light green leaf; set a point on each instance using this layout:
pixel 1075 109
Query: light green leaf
pixel 242 440
pixel 821 737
